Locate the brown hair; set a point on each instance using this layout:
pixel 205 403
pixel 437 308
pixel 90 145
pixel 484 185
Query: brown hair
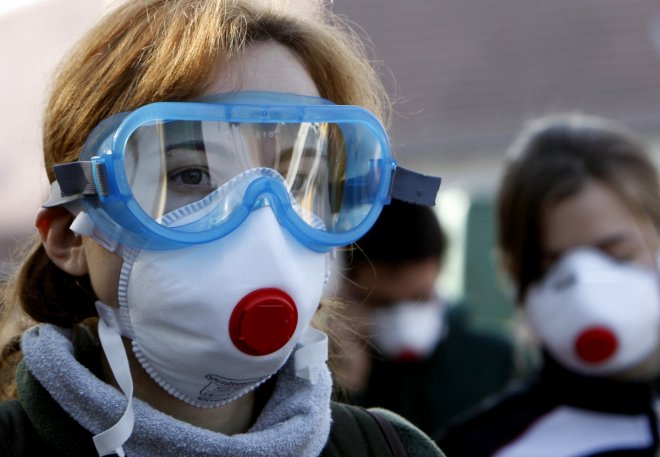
pixel 553 159
pixel 155 50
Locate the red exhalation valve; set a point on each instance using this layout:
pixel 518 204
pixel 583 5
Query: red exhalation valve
pixel 596 344
pixel 263 321
pixel 407 356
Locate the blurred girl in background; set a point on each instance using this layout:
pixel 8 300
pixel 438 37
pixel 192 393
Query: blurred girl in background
pixel 578 216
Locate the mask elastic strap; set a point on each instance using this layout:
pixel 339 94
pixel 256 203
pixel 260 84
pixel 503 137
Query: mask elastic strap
pixel 313 354
pixel 111 440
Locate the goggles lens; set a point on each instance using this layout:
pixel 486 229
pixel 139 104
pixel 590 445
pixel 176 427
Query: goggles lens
pixel 331 170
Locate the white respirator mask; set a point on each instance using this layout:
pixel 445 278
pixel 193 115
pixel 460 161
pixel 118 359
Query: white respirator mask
pixel 408 331
pixel 211 322
pixel 595 315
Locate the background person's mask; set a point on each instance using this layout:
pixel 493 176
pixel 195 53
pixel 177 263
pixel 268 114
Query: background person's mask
pixel 408 331
pixel 596 315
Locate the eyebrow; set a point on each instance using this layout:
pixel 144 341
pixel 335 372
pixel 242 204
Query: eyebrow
pixel 603 243
pixel 613 239
pixel 194 145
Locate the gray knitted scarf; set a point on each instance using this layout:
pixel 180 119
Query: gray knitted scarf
pixel 295 422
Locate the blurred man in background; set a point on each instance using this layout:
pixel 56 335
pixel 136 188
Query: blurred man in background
pixel 402 346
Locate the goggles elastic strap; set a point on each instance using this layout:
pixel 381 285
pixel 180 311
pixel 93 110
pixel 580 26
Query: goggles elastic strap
pixel 81 178
pixel 55 198
pixel 412 187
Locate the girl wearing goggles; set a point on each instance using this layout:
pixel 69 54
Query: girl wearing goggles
pixel 205 157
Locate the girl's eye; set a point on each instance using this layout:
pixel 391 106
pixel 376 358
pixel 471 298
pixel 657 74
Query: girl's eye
pixel 191 176
pixel 190 180
pixel 625 257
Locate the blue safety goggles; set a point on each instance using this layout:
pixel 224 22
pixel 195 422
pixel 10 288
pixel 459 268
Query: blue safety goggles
pixel 326 170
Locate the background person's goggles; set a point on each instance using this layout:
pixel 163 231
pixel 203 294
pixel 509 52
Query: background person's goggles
pixel 326 170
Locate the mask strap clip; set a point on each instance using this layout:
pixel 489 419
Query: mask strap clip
pixel 111 440
pixel 84 225
pixel 312 354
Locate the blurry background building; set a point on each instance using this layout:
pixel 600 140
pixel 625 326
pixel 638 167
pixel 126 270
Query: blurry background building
pixel 468 74
pixel 465 75
pixel 34 36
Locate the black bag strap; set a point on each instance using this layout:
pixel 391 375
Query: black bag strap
pixel 392 437
pixel 357 432
pixel 17 434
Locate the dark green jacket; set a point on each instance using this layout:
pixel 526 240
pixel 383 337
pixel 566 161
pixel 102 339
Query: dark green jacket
pixel 466 367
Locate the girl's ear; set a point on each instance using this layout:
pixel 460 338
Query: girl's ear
pixel 62 246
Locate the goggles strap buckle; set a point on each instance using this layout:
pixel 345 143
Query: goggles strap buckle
pixel 412 187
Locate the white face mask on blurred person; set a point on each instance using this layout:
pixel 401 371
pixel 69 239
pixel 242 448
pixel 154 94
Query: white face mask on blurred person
pixel 596 315
pixel 408 331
